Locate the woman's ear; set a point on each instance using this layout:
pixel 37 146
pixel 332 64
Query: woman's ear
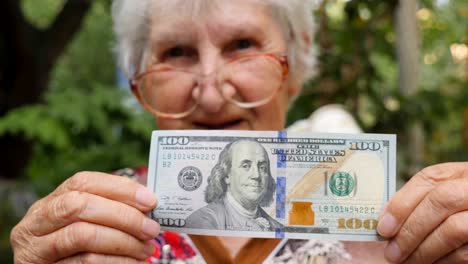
pixel 293 86
pixel 293 89
pixel 295 77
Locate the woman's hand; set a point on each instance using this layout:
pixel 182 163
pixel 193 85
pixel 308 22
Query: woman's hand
pixel 428 217
pixel 91 218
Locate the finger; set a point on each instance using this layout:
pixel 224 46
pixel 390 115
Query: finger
pixel 459 256
pixel 110 186
pixel 407 199
pixel 84 207
pixel 98 258
pixel 86 237
pixel 442 203
pixel 449 236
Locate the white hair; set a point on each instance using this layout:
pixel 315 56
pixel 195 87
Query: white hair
pixel 132 22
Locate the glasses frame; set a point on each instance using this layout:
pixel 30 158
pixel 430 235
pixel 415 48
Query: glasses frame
pixel 281 58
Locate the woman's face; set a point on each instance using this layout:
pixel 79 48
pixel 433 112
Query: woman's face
pixel 210 38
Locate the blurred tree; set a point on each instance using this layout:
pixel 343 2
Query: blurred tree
pixel 357 61
pixel 465 128
pixel 82 121
pixel 359 69
pixel 407 47
pixel 28 56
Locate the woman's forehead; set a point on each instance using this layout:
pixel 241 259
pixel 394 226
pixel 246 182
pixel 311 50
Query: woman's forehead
pixel 218 15
pixel 196 8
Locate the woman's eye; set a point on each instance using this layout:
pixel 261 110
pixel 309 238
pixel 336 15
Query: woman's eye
pixel 243 44
pixel 177 52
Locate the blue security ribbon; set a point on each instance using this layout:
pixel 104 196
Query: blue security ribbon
pixel 279 233
pixel 281 197
pixel 281 157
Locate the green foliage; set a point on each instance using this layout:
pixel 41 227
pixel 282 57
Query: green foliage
pixel 357 60
pixel 91 129
pixel 42 13
pixel 359 70
pixel 444 78
pixel 84 121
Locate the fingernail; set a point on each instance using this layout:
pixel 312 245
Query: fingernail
pixel 148 249
pixel 145 198
pixel 384 210
pixel 393 252
pixel 150 228
pixel 387 225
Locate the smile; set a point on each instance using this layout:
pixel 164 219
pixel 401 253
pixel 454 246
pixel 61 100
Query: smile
pixel 228 125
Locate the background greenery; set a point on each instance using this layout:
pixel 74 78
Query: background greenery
pixel 86 122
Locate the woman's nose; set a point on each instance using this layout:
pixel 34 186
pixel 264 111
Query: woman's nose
pixel 210 98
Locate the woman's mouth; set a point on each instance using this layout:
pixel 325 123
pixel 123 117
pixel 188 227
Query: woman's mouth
pixel 238 124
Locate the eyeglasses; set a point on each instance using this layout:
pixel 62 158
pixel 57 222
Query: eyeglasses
pixel 175 92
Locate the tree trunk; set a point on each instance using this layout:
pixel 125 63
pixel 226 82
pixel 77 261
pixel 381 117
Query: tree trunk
pixel 408 62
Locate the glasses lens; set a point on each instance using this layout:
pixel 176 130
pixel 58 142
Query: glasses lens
pixel 168 91
pixel 255 79
pixel 248 82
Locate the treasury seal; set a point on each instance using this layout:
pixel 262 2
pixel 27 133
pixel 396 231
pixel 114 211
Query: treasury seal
pixel 342 183
pixel 190 178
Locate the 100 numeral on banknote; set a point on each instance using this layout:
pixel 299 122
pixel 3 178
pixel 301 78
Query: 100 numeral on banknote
pixel 271 184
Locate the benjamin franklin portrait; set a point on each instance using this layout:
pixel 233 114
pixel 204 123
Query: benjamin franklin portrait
pixel 239 185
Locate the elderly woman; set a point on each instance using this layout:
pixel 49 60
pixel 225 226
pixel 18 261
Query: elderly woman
pixel 222 65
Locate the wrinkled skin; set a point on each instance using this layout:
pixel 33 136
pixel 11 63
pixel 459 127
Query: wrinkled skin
pixel 427 220
pixel 90 218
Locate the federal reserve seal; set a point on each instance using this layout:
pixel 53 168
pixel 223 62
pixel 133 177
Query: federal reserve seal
pixel 190 178
pixel 342 183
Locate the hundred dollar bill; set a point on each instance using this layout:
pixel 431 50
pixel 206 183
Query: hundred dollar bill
pixel 271 184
